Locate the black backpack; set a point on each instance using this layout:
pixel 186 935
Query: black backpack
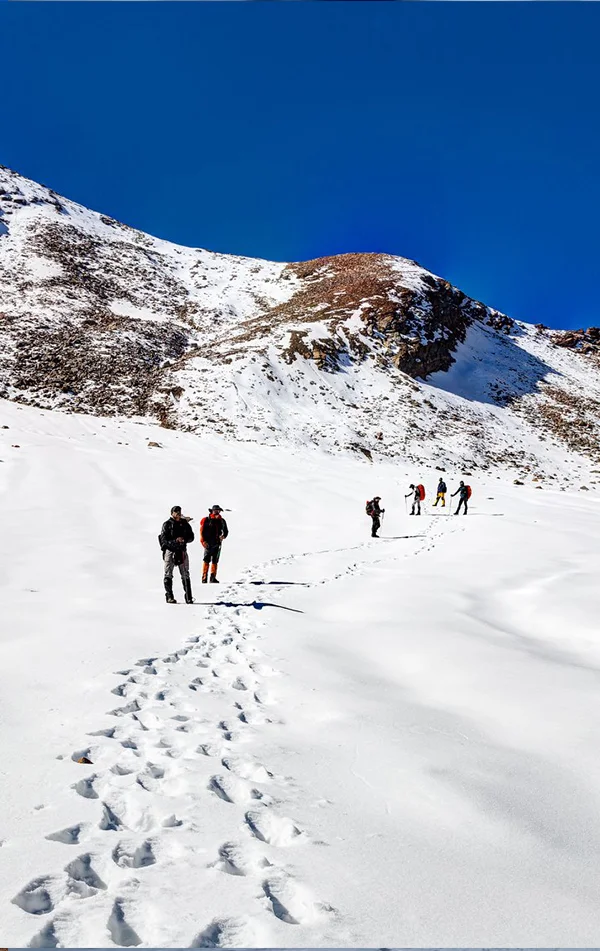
pixel 370 508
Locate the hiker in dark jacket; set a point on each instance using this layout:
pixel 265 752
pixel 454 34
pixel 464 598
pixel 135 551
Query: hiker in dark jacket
pixel 175 536
pixel 463 498
pixel 441 493
pixel 213 529
pixel 375 510
pixel 416 497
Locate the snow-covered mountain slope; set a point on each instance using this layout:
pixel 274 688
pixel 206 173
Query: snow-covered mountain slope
pixel 349 742
pixel 364 353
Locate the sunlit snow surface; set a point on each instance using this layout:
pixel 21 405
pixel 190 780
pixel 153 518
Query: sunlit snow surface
pixel 348 742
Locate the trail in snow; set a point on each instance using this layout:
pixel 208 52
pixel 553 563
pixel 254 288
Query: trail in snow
pixel 344 745
pixel 189 726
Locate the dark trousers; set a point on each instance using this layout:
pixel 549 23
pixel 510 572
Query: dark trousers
pixel 212 554
pixel 462 502
pixel 376 525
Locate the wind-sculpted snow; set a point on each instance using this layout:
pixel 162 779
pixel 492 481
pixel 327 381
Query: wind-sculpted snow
pixel 366 354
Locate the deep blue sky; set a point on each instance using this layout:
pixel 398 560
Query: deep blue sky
pixel 463 135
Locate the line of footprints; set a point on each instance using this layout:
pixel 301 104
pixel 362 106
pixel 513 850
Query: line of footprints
pixel 156 754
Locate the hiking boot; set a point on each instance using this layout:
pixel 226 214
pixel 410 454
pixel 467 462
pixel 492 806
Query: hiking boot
pixel 214 580
pixel 169 591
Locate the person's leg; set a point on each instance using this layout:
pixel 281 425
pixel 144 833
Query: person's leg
pixel 443 498
pixel 466 507
pixel 168 576
pixel 375 526
pixel 418 506
pixel 184 570
pixel 214 555
pixel 205 564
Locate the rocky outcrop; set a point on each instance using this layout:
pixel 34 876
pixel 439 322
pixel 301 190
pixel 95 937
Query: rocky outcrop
pixel 582 341
pixel 99 363
pixel 372 304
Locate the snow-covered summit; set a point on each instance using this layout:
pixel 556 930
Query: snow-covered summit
pixel 366 353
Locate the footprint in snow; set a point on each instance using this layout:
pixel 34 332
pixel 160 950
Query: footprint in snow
pixel 35 898
pixel 120 931
pixel 132 707
pixel 46 938
pixel 226 933
pixel 80 754
pixel 232 789
pixel 235 859
pixel 109 822
pixel 247 768
pixel 69 836
pixel 266 826
pixel 126 856
pixel 85 787
pixel 83 879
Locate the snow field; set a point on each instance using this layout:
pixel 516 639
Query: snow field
pixel 348 742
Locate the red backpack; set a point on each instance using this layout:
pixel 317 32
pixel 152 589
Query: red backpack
pixel 421 491
pixel 468 488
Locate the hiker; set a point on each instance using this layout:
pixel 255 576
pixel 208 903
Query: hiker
pixel 441 493
pixel 463 493
pixel 374 510
pixel 174 537
pixel 213 529
pixel 415 492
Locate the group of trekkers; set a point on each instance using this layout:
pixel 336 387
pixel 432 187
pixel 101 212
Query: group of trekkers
pixel 417 494
pixel 176 534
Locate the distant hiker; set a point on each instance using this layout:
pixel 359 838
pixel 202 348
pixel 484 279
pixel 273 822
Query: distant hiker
pixel 464 494
pixel 374 510
pixel 441 493
pixel 213 529
pixel 417 492
pixel 174 537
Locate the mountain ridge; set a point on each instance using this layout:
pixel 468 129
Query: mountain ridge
pixel 367 353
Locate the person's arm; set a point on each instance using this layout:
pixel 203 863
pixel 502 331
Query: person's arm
pixel 202 539
pixel 189 533
pixel 454 493
pixel 167 543
pixel 225 531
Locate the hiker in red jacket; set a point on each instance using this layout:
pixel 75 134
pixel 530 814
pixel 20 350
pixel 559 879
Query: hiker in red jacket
pixel 213 529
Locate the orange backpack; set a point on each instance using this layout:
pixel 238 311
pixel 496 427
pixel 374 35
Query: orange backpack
pixel 421 491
